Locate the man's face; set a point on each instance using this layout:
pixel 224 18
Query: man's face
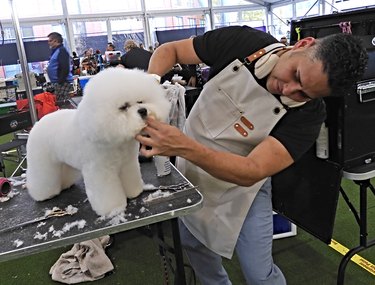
pixel 53 43
pixel 297 76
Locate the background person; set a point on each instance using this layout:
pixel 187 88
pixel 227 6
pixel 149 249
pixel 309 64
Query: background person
pixel 110 47
pixel 59 68
pixel 88 63
pixel 188 73
pixel 134 56
pixel 249 123
pixel 99 61
pixel 76 64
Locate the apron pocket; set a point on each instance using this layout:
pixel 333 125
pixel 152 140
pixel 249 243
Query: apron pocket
pixel 227 113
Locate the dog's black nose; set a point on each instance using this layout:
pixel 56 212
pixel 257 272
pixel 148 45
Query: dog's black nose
pixel 142 112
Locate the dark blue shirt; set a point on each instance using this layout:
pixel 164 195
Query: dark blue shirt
pixel 60 66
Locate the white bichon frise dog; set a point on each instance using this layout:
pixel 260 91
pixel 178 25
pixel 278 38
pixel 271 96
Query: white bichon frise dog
pixel 96 140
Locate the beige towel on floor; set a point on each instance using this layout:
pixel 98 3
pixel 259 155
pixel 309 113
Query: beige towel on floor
pixel 86 261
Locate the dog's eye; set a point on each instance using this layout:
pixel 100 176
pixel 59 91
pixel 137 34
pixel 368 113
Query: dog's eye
pixel 125 107
pixel 139 102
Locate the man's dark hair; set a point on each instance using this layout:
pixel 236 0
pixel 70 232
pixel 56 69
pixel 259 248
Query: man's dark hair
pixel 56 36
pixel 344 60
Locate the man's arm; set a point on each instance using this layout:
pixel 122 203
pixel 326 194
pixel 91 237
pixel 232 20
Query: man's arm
pixel 168 54
pixel 64 65
pixel 268 158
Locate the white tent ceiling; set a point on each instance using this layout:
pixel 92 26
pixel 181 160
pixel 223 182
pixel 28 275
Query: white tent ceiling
pixel 267 2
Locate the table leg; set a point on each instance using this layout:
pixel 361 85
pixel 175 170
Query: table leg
pixel 180 278
pixel 163 251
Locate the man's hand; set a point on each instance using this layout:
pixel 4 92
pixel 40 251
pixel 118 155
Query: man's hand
pixel 162 138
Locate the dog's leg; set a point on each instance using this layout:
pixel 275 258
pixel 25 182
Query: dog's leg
pixel 43 180
pixel 131 178
pixel 104 189
pixel 69 176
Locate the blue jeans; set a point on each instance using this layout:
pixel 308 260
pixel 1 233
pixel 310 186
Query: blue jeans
pixel 253 248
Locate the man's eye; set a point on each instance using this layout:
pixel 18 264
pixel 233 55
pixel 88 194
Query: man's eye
pixel 139 102
pixel 298 78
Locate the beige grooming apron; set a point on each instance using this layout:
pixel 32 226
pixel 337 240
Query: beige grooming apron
pixel 232 114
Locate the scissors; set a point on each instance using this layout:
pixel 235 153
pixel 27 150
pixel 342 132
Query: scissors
pixel 178 190
pixel 174 188
pixel 56 212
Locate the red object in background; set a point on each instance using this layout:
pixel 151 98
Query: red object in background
pixel 45 103
pixel 5 186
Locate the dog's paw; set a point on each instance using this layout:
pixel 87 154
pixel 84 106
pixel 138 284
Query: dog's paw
pixel 110 212
pixel 133 193
pixel 118 212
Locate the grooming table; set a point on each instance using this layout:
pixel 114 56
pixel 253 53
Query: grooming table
pixel 140 212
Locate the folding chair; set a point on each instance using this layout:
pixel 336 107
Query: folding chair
pixel 16 123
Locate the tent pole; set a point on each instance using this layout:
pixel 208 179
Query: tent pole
pixel 23 62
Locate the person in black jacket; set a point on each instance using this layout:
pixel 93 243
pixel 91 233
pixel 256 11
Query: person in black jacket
pixel 135 57
pixel 76 64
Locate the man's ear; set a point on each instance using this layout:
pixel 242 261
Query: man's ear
pixel 305 42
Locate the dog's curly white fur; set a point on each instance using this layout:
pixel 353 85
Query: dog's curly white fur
pixel 97 140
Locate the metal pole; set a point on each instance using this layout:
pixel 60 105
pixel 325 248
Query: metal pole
pixel 23 62
pixel 68 27
pixel 146 26
pixel 211 17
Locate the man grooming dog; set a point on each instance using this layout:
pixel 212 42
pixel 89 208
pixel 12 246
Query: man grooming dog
pixel 259 112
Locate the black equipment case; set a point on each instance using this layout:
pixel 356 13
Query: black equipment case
pixel 307 192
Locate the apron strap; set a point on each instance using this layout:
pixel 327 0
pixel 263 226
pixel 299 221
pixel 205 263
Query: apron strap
pixel 271 48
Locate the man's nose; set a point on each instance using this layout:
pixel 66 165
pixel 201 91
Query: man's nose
pixel 291 88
